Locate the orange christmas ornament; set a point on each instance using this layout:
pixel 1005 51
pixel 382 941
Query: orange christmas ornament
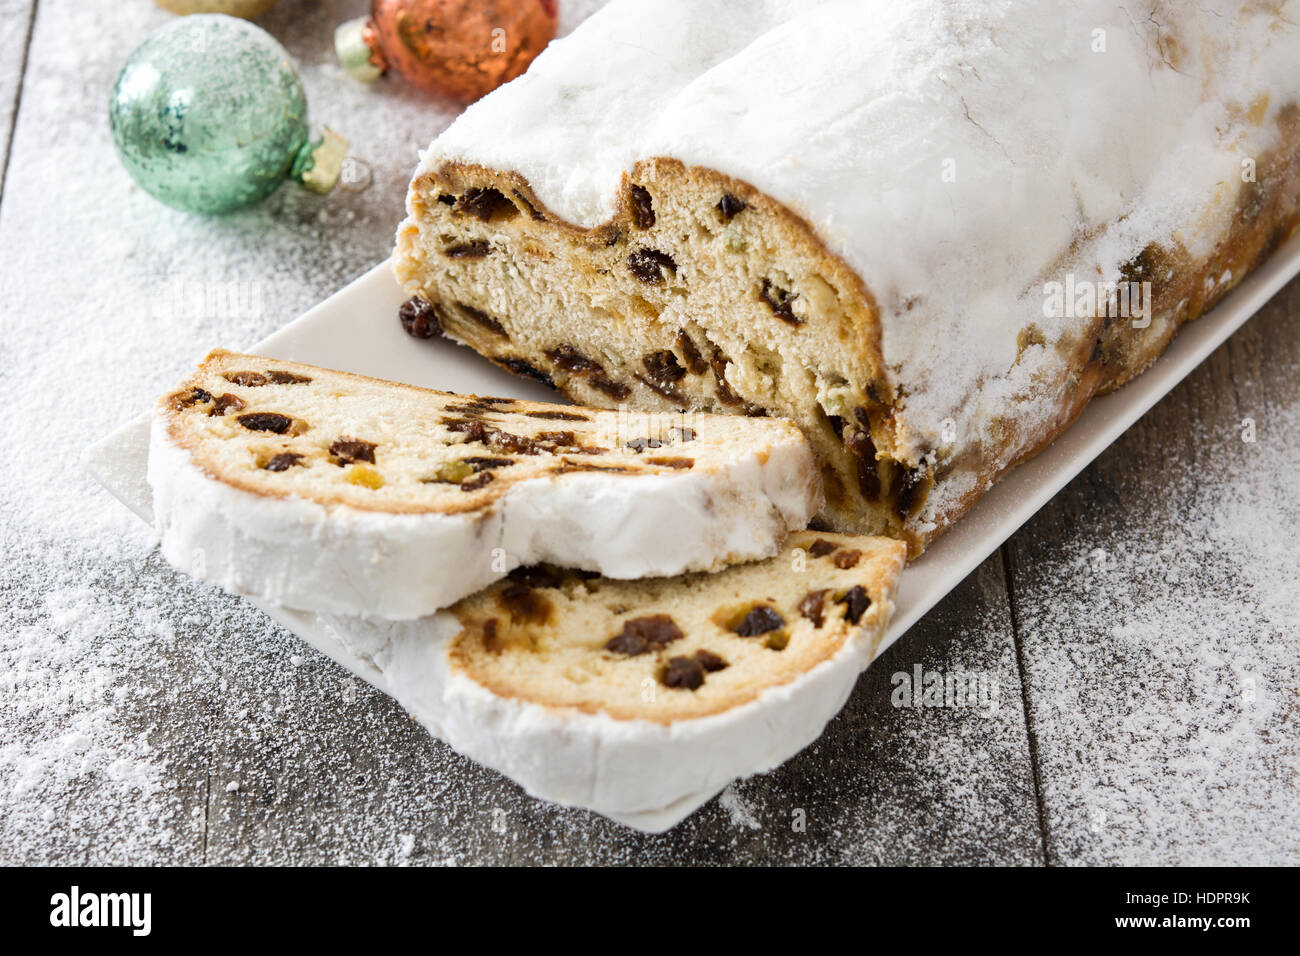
pixel 457 48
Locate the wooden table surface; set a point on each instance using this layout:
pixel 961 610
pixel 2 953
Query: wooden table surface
pixel 1139 633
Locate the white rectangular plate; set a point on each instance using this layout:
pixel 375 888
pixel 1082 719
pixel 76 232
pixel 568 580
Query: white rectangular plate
pixel 356 330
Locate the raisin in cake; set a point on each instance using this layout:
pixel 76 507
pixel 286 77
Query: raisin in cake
pixel 912 227
pixel 637 697
pixel 326 491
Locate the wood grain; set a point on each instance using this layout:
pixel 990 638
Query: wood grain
pixel 15 32
pixel 1160 585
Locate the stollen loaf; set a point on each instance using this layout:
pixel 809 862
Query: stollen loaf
pixel 926 232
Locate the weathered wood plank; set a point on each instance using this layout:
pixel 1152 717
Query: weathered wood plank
pixel 15 26
pixel 1155 598
pixel 90 768
pixel 110 702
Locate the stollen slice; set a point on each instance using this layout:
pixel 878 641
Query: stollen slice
pixel 321 490
pixel 633 698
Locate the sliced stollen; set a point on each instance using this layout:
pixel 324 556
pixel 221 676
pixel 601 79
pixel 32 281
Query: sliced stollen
pixel 636 697
pixel 320 490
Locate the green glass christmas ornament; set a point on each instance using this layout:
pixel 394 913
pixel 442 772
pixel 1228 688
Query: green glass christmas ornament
pixel 209 115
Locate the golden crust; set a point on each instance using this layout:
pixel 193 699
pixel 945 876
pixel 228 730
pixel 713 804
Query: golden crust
pixel 546 645
pixel 182 438
pixel 180 431
pixel 456 178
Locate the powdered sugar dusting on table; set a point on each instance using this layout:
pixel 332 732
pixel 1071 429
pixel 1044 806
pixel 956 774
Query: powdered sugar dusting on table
pixel 1163 666
pixel 94 626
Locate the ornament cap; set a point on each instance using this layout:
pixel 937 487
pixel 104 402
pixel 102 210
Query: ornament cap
pixel 354 43
pixel 247 9
pixel 321 161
